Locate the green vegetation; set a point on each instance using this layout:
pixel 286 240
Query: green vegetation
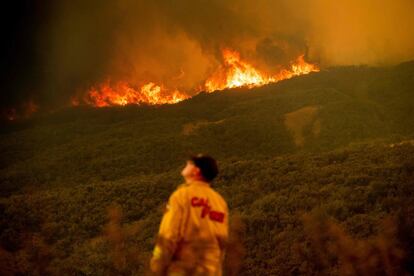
pixel 351 174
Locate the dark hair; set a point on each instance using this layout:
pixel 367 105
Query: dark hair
pixel 206 164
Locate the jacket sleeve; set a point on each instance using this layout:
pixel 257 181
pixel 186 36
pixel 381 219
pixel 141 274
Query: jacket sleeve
pixel 169 234
pixel 224 237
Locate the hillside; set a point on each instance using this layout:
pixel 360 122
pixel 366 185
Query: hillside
pixel 338 143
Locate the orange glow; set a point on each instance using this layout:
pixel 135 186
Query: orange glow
pixel 75 101
pixel 29 108
pixel 23 111
pixel 121 93
pixel 10 114
pixel 238 73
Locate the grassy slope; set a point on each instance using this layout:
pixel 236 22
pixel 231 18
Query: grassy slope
pixel 60 172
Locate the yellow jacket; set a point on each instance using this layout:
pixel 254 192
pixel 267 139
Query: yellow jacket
pixel 193 232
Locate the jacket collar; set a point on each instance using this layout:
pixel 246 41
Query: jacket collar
pixel 199 182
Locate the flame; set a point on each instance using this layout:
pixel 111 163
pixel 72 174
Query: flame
pixel 234 72
pixel 122 93
pixel 299 67
pixel 238 73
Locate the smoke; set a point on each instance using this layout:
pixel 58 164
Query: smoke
pixel 376 32
pixel 74 44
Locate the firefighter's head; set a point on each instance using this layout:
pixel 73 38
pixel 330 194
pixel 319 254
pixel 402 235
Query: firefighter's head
pixel 200 167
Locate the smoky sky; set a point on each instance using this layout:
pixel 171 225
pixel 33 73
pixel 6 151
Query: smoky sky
pixel 54 49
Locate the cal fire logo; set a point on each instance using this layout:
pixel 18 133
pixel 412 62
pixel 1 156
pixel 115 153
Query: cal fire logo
pixel 206 209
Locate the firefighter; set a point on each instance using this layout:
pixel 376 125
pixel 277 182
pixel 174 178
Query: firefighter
pixel 194 228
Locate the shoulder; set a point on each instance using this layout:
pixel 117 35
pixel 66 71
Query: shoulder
pixel 219 197
pixel 181 189
pixel 179 194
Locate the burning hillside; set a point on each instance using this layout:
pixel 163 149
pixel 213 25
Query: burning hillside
pixel 233 72
pixel 122 93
